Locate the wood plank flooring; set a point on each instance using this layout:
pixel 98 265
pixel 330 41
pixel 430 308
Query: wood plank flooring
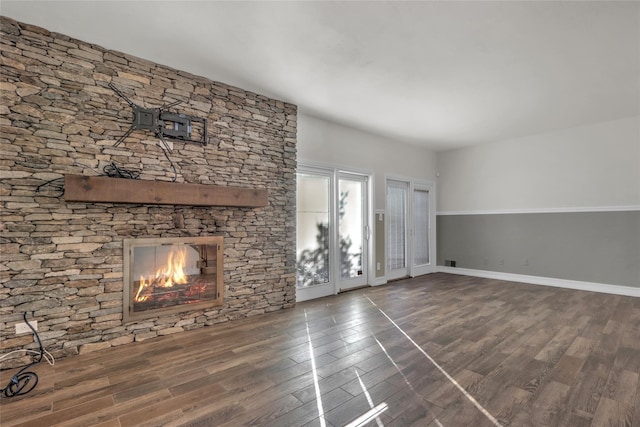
pixel 438 350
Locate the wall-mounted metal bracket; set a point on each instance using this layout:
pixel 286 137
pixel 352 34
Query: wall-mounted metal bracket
pixel 165 124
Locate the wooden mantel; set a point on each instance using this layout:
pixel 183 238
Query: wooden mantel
pixel 97 189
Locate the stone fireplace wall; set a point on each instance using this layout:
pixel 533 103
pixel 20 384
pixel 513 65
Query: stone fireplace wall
pixel 61 262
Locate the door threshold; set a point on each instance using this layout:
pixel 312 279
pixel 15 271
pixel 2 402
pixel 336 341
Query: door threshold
pixel 398 279
pixel 354 288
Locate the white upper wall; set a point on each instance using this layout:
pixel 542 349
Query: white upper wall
pixel 595 166
pixel 320 141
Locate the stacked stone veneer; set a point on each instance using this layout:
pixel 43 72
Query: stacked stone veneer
pixel 62 262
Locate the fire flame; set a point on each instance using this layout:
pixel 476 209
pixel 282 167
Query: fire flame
pixel 172 273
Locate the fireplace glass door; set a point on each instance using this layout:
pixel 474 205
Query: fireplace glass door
pixel 171 275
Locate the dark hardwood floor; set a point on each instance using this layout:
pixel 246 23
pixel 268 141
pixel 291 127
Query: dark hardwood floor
pixel 439 350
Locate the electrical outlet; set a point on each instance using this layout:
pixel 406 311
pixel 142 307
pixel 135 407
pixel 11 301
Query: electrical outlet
pixel 378 266
pixel 23 328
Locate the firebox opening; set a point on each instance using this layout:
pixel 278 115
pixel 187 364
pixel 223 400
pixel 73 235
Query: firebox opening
pixel 170 275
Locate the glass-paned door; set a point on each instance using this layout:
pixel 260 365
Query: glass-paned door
pixel 397 229
pixel 352 230
pixel 313 230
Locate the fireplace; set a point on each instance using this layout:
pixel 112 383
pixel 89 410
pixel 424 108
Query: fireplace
pixel 171 275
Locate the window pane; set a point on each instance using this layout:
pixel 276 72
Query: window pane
pixel 421 217
pixel 396 216
pixel 312 227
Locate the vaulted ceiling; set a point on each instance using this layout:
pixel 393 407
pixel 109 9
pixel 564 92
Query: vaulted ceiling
pixel 442 74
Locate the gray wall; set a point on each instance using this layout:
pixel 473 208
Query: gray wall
pixel 568 201
pixel 599 247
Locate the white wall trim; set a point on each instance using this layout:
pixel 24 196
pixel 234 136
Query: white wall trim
pixel 545 281
pixel 315 291
pixel 380 281
pixel 545 210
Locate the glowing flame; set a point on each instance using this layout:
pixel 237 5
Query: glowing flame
pixel 172 273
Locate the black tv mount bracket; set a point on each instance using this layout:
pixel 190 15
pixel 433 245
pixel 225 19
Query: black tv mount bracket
pixel 163 124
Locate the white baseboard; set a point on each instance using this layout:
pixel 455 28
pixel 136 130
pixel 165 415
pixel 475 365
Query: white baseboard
pixel 624 208
pixel 545 281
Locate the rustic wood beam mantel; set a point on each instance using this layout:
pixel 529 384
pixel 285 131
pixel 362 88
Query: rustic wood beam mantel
pixel 78 188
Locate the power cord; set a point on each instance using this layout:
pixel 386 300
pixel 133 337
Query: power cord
pixel 117 172
pixel 24 381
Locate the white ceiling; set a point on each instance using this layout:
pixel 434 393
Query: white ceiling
pixel 443 74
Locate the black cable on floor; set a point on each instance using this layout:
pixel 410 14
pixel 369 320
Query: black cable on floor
pixel 24 381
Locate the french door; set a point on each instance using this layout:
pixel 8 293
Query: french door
pixel 332 237
pixel 410 239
